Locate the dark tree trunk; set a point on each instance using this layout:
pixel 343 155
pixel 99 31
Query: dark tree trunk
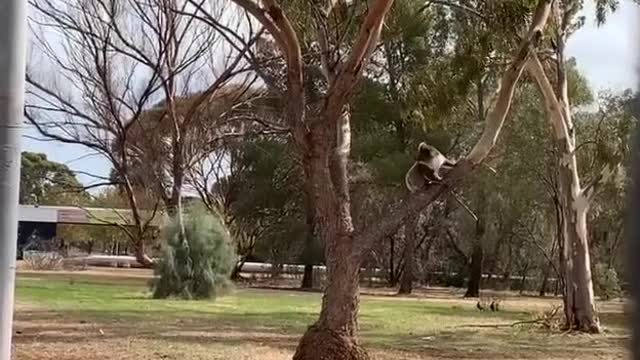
pixel 425 260
pixel 408 275
pixel 475 271
pixel 235 274
pixel 307 277
pixel 392 271
pixel 310 253
pixel 141 255
pixel 523 278
pixel 545 282
pixel 477 254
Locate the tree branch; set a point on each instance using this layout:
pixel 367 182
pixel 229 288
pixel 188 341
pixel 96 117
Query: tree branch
pixel 349 72
pixel 591 189
pixel 554 107
pixel 502 102
pixel 455 6
pixel 278 24
pixel 413 203
pixel 454 245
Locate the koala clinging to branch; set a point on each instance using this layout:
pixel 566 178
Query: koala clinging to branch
pixel 426 169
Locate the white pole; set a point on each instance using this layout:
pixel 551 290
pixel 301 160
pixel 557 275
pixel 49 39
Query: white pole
pixel 13 48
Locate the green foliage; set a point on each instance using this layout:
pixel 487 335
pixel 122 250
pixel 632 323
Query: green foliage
pixel 48 182
pixel 270 202
pixel 603 8
pixel 578 87
pixel 606 283
pixel 198 265
pixel 391 169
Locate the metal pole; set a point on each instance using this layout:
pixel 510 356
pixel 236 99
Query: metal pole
pixel 13 48
pixel 632 246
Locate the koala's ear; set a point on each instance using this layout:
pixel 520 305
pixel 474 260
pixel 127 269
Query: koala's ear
pixel 423 147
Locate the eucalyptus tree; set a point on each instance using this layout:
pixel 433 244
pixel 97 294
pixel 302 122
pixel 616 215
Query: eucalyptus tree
pixel 575 199
pixel 320 133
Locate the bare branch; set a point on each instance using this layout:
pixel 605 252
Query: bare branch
pixel 348 74
pixel 413 203
pixel 502 102
pixel 455 6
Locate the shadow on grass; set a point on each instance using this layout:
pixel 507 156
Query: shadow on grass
pixel 79 311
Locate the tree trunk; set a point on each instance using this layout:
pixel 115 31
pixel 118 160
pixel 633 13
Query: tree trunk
pixel 579 303
pixel 141 256
pixel 237 269
pixel 579 299
pixel 477 252
pixel 392 270
pixel 408 275
pixel 475 271
pixel 307 277
pixel 310 252
pixel 333 335
pixel 561 243
pixel 325 149
pixel 545 282
pixel 523 278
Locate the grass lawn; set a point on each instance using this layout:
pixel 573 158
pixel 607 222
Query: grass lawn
pixel 79 316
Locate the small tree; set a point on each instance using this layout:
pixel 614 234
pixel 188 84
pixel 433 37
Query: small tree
pixel 197 265
pixel 606 282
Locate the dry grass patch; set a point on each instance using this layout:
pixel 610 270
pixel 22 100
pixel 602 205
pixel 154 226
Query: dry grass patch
pixel 92 317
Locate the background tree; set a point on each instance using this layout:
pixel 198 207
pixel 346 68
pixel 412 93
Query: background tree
pixel 271 201
pixel 46 182
pixel 575 199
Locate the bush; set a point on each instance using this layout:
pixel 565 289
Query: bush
pixel 42 261
pixel 605 282
pixel 199 265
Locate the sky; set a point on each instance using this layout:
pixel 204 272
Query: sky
pixel 606 55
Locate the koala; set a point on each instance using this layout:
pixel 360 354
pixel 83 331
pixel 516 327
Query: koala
pixel 426 169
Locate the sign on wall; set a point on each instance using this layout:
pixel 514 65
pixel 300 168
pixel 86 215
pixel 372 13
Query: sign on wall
pixel 73 216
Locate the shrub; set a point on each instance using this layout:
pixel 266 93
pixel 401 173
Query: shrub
pixel 198 265
pixel 606 282
pixel 42 261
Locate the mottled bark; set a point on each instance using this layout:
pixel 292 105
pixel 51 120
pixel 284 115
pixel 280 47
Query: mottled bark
pixel 579 303
pixel 334 333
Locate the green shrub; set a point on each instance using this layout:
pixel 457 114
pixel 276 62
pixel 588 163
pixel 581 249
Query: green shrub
pixel 606 282
pixel 199 265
